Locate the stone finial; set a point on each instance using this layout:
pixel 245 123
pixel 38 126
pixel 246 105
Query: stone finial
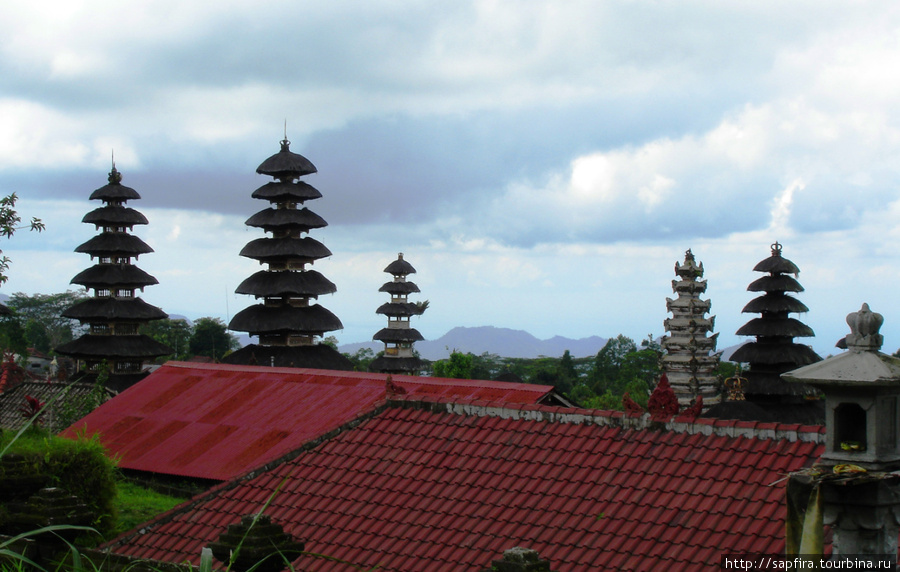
pixel 864 328
pixel 258 543
pixel 520 559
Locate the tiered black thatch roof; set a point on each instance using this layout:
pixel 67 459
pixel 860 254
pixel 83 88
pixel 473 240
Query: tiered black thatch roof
pixel 399 336
pixel 286 320
pixel 774 351
pixel 114 313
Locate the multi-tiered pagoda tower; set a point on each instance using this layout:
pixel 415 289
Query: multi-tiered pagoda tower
pixel 399 336
pixel 114 313
pixel 774 352
pixel 691 363
pixel 288 322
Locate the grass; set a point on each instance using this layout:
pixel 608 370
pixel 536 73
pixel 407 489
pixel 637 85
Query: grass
pixel 137 505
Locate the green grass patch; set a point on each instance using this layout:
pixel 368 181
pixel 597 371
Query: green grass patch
pixel 137 505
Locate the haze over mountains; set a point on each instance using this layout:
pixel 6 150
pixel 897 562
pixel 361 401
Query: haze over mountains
pixel 504 342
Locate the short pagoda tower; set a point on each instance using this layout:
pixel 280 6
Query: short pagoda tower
pixel 774 352
pixel 399 336
pixel 287 322
pixel 114 313
pixel 690 362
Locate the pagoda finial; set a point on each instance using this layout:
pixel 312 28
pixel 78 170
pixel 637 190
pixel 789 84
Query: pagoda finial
pixel 864 327
pixel 399 256
pixel 776 248
pixel 688 255
pixel 285 144
pixel 114 176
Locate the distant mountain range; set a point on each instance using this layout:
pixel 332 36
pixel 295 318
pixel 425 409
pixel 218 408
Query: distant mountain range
pixel 501 341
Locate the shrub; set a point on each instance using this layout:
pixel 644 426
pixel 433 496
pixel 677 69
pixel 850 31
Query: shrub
pixel 80 467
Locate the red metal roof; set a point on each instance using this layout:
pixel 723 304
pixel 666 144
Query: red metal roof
pixel 442 487
pixel 217 421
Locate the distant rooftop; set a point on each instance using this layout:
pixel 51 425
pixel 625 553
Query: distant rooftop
pixel 217 421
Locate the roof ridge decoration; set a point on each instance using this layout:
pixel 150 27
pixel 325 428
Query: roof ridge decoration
pixel 682 423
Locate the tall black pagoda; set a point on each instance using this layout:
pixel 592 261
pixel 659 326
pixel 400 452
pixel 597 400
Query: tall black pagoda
pixel 399 336
pixel 774 352
pixel 288 322
pixel 114 313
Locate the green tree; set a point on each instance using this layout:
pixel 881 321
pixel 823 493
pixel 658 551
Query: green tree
pixel 41 317
pixel 10 222
pixel 174 333
pixel 605 375
pixel 210 338
pixel 12 336
pixel 362 358
pixel 459 366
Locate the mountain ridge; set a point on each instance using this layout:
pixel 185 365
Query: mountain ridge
pixel 505 342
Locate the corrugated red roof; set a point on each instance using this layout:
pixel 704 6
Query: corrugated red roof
pixel 217 421
pixel 441 487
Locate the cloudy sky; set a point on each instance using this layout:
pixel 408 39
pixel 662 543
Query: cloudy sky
pixel 542 164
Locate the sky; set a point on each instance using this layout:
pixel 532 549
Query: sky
pixel 542 164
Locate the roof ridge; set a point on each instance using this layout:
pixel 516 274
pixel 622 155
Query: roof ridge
pixel 679 424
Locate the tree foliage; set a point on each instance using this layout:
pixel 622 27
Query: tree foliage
pixel 40 317
pixel 459 366
pixel 10 222
pixel 174 333
pixel 210 338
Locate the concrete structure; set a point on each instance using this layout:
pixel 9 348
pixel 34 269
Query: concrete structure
pixel 860 493
pixel 399 336
pixel 691 363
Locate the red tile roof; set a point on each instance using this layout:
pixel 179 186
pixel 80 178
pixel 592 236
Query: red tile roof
pixel 439 486
pixel 217 421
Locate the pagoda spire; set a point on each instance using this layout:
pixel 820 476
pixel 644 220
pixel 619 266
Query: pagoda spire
pixel 690 362
pixel 287 321
pixel 398 337
pixel 774 351
pixel 114 313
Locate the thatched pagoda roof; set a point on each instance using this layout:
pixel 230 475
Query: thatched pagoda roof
pixel 779 283
pixel 774 302
pixel 389 364
pixel 286 164
pixel 771 326
pixel 395 309
pixel 319 356
pixel 93 346
pixel 281 191
pixel 110 309
pixel 114 275
pixel 307 283
pixel 114 244
pixel 777 264
pixel 5 311
pixel 115 191
pixel 114 216
pixel 398 335
pixel 305 249
pixel 260 319
pixel 399 288
pixel 400 267
pixel 791 354
pixel 271 219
